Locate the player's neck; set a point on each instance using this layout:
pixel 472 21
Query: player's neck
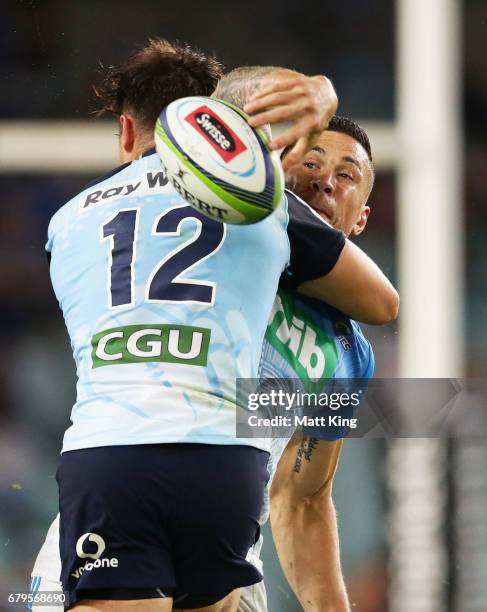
pixel 136 151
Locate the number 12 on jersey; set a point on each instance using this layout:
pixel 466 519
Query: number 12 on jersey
pixel 166 282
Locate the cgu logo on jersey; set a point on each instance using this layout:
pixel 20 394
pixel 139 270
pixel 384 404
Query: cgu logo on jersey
pixel 307 348
pixel 96 539
pixel 215 131
pixel 144 343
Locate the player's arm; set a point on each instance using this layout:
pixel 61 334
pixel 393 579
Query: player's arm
pixel 327 266
pixel 357 287
pixel 307 103
pixel 304 523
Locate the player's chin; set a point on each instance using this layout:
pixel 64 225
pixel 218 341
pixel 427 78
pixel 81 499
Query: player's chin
pixel 323 214
pixel 327 218
pixel 315 201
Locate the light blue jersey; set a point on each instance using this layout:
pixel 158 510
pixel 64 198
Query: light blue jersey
pixel 164 307
pixel 309 340
pixel 312 342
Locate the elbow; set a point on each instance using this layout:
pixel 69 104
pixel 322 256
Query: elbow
pixel 290 512
pixel 292 500
pixel 388 311
pixel 392 311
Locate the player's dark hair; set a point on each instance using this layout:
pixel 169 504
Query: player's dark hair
pixel 352 129
pixel 154 76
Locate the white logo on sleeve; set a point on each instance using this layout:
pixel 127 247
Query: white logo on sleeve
pixel 91 537
pixel 100 549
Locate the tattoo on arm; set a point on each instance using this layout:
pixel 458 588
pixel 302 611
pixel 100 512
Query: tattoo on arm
pixel 305 451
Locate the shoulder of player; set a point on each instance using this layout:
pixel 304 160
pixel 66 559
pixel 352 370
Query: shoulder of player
pixel 315 246
pixel 346 331
pixel 108 177
pixel 342 323
pixel 105 177
pixel 112 173
pixel 313 305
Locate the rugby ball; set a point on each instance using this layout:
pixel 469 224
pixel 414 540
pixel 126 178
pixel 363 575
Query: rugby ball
pixel 217 162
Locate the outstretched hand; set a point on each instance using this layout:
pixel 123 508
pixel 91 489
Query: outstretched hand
pixel 288 96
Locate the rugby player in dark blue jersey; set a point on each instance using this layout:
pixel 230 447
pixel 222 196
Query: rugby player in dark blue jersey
pixel 307 340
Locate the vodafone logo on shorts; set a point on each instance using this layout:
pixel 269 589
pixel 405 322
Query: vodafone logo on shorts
pixel 215 131
pixel 85 549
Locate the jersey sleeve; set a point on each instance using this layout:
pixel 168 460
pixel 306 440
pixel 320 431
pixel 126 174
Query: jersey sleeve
pixel 364 363
pixel 370 367
pixel 315 245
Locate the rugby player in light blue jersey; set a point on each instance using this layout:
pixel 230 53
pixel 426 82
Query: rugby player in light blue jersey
pixel 308 340
pixel 344 353
pixel 158 499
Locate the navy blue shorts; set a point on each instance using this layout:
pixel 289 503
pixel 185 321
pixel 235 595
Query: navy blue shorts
pixel 160 520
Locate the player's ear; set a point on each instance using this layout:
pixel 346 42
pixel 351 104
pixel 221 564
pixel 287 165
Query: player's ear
pixel 359 227
pixel 127 136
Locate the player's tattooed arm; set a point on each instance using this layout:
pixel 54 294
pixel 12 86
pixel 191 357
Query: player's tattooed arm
pixel 304 523
pixel 304 452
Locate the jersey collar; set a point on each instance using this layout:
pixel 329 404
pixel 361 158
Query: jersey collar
pixel 150 151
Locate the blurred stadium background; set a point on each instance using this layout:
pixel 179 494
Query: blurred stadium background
pixel 413 513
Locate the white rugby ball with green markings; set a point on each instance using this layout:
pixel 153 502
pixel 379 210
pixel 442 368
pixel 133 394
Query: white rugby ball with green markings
pixel 217 161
